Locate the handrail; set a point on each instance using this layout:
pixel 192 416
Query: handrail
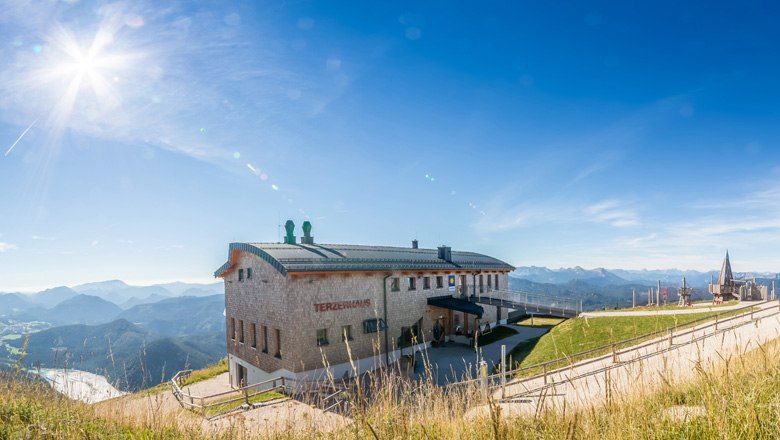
pixel 635 338
pixel 568 359
pixel 645 356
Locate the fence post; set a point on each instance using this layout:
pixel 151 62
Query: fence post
pixel 545 374
pixel 614 354
pixel 671 335
pixel 503 370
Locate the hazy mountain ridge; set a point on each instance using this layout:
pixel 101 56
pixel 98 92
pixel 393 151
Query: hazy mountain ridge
pixel 603 277
pixel 128 355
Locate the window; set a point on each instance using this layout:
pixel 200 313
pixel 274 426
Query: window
pixel 249 273
pixel 254 335
pixel 241 331
pixel 489 277
pixel 481 283
pixel 233 328
pixel 346 333
pixel 278 338
pixel 265 339
pixel 322 337
pixel 374 325
pixel 496 285
pixel 426 283
pixel 412 283
pixel 439 282
pixel 395 284
pixel 240 274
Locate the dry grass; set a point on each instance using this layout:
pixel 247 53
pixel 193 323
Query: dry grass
pixel 740 399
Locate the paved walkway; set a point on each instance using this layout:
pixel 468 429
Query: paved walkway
pixel 455 362
pixel 642 370
pixel 648 311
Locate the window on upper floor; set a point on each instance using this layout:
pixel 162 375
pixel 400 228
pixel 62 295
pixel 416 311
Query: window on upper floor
pixel 488 277
pixel 249 273
pixel 426 283
pixel 439 282
pixel 482 283
pixel 412 283
pixel 240 274
pixel 395 284
pixel 265 339
pixel 233 328
pixel 496 284
pixel 253 330
pixel 241 331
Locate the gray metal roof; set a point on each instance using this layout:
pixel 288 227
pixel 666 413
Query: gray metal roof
pixel 342 257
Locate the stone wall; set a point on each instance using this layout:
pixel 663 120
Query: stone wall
pixel 298 305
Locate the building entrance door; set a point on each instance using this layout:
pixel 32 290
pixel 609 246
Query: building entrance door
pixel 241 374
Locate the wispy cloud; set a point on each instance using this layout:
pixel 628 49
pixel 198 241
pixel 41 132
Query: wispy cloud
pixel 612 212
pixel 5 247
pixel 41 237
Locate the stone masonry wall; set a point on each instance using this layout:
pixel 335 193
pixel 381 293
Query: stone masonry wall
pixel 288 304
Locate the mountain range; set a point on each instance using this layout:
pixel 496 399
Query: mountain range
pixel 135 335
pixel 605 277
pixel 602 288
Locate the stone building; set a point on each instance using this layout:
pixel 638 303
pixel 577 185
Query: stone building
pixel 729 288
pixel 295 309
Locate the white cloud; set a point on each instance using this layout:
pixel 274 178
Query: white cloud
pixel 40 237
pixel 5 247
pixel 612 212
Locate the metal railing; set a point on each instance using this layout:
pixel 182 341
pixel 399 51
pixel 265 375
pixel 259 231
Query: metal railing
pixel 531 302
pixel 219 404
pixel 598 354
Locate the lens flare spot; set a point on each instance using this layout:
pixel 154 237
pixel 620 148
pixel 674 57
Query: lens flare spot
pixel 263 176
pixel 236 155
pixel 38 48
pixel 202 130
pixel 275 188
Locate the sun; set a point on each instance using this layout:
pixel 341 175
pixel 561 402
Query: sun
pixel 82 73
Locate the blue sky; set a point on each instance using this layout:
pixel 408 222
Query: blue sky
pixel 137 140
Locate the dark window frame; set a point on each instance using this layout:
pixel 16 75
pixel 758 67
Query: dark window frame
pixel 322 337
pixel 374 325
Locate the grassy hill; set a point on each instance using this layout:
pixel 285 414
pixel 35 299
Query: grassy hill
pixel 742 404
pixel 582 334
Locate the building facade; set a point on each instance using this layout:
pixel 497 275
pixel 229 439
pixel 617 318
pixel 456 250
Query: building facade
pixel 299 309
pixel 730 288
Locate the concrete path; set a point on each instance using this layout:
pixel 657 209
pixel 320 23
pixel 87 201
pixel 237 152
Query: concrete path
pixel 455 362
pixel 648 311
pixel 642 370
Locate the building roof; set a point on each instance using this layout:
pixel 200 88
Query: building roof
pixel 457 304
pixel 298 258
pixel 726 277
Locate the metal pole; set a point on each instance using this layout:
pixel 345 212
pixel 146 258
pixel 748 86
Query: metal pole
pixel 633 298
pixel 503 371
